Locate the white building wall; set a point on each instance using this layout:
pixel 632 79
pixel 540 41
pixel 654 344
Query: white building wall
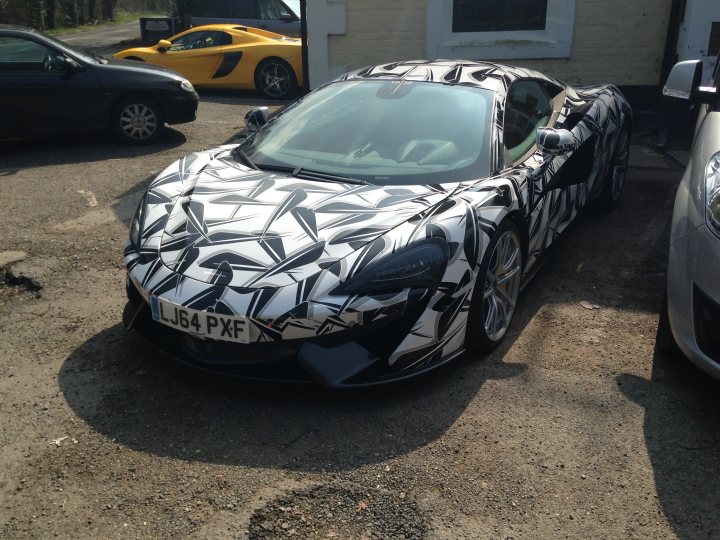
pixel 618 41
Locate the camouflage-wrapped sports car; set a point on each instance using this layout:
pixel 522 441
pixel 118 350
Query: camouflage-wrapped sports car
pixel 376 228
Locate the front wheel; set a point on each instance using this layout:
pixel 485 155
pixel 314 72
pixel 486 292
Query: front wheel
pixel 137 120
pixel 496 290
pixel 275 79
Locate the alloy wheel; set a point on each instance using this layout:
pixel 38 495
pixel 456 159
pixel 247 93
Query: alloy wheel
pixel 138 121
pixel 620 165
pixel 502 285
pixel 275 79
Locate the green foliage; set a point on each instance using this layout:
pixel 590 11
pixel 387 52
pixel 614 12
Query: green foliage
pixel 43 14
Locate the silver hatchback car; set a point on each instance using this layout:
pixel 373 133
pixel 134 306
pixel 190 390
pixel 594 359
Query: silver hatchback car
pixel 693 283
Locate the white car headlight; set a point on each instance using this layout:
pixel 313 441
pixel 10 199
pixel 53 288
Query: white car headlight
pixel 712 194
pixel 187 85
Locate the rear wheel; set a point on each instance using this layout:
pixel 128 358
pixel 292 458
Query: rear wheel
pixel 615 181
pixel 496 290
pixel 137 120
pixel 275 79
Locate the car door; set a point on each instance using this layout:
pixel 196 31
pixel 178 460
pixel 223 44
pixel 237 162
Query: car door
pixel 196 55
pixel 42 91
pixel 530 105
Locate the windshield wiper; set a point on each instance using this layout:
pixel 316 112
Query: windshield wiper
pixel 308 174
pixel 238 153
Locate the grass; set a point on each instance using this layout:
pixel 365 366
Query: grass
pixel 121 17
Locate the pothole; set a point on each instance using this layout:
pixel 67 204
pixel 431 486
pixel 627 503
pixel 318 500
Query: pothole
pixel 339 512
pixel 14 285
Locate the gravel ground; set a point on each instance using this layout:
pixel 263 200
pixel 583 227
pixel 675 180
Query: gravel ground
pixel 575 427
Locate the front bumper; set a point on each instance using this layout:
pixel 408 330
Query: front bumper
pixel 181 108
pixel 354 357
pixel 694 297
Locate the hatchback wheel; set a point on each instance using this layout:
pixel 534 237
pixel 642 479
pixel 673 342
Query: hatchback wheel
pixel 137 120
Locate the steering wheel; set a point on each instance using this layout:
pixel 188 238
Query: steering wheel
pixel 47 62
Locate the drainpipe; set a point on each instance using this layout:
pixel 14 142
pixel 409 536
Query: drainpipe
pixel 303 35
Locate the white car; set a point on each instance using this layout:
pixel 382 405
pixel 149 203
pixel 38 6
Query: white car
pixel 693 283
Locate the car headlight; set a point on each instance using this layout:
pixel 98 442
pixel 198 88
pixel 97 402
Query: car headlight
pixel 187 85
pixel 136 226
pixel 712 194
pixel 421 264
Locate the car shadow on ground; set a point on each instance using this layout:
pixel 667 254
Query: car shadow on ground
pixel 127 392
pixel 65 149
pixel 239 97
pixel 681 429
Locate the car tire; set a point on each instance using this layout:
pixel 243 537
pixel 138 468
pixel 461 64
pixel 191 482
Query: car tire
pixel 615 179
pixel 275 79
pixel 137 120
pixel 496 290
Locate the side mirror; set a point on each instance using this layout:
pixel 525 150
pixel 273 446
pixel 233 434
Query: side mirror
pixel 256 118
pixel 683 77
pixel 555 142
pixel 68 64
pixel 163 45
pixel 684 83
pixel 287 17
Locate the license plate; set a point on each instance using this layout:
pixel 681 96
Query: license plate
pixel 200 323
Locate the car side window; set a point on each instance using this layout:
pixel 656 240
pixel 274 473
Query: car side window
pixel 200 40
pixel 527 108
pixel 18 54
pixel 247 9
pixel 271 10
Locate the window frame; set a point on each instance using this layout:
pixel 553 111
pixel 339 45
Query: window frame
pixel 502 23
pixel 557 103
pixel 33 67
pixel 555 41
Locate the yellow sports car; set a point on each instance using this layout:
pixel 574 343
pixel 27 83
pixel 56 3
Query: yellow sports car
pixel 229 56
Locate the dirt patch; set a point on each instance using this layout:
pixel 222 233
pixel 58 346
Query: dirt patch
pixel 339 512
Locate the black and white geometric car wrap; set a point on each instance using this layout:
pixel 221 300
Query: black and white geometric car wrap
pixel 218 236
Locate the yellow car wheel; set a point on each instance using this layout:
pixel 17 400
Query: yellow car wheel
pixel 275 79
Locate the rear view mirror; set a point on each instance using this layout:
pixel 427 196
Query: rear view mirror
pixel 163 45
pixel 256 118
pixel 555 142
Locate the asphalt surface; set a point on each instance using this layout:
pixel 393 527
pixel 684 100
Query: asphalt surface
pixel 103 37
pixel 576 427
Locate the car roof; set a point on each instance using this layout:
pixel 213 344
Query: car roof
pixel 477 73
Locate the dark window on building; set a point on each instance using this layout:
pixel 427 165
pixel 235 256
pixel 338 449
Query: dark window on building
pixel 714 43
pixel 498 15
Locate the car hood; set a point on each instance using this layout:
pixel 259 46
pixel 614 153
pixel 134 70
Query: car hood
pixel 243 228
pixel 135 67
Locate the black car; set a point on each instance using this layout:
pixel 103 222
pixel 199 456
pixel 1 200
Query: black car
pixel 48 87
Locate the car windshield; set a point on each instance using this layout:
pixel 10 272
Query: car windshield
pixel 383 132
